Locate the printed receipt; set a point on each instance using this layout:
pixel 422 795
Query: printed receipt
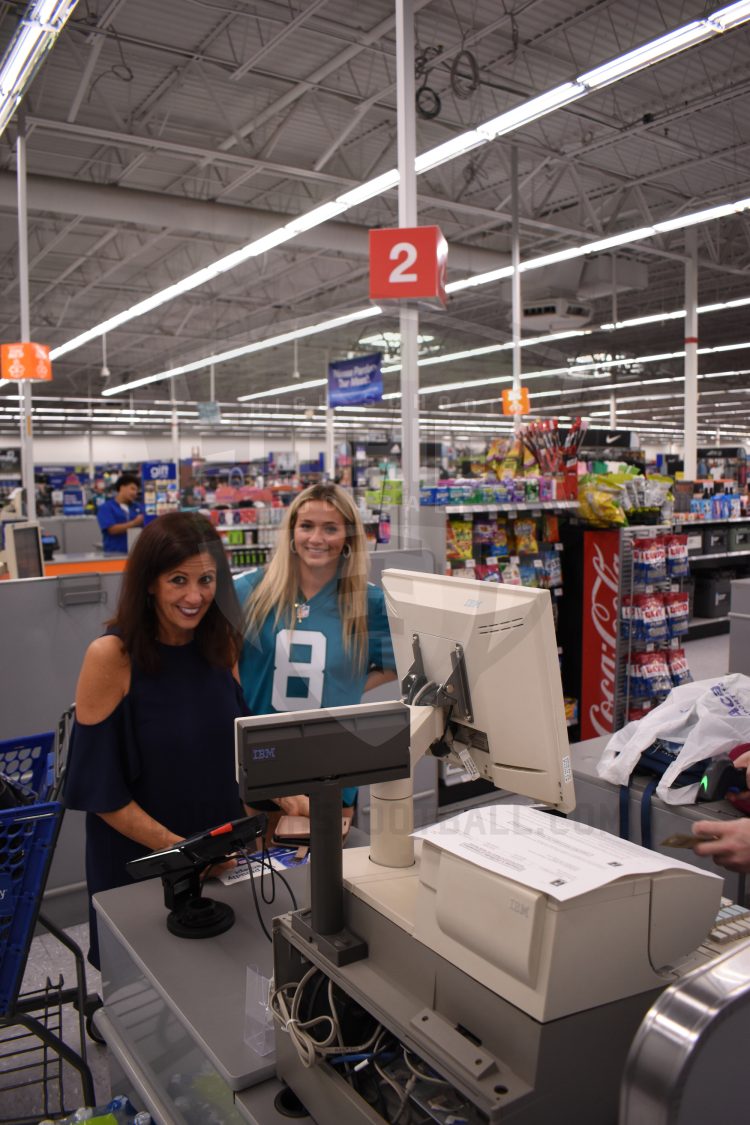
pixel 547 853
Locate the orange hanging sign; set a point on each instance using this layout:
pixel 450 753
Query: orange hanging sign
pixel 25 361
pixel 516 402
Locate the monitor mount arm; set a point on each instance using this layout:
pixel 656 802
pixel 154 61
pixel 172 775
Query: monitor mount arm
pixel 430 706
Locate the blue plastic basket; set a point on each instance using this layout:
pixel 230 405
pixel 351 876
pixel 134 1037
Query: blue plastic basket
pixel 27 841
pixel 30 762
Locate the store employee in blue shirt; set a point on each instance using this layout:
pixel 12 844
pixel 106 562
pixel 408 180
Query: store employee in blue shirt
pixel 119 513
pixel 316 631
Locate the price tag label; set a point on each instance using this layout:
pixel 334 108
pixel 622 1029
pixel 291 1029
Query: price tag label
pixel 469 764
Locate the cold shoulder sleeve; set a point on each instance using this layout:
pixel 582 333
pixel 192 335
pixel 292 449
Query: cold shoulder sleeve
pixel 103 763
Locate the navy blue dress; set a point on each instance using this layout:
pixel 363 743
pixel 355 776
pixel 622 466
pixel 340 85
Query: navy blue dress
pixel 169 746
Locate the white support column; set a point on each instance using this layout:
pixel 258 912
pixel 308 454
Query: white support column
pixel 409 318
pixel 175 431
pixel 691 354
pixel 330 465
pixel 24 387
pixel 516 278
pixel 613 411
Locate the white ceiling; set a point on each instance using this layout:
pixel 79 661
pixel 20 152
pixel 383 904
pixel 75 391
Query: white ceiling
pixel 162 136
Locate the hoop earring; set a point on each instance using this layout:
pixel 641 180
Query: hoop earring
pixel 346 551
pixel 292 547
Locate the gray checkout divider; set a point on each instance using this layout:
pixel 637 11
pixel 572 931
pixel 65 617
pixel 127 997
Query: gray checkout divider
pixel 48 624
pixel 739 627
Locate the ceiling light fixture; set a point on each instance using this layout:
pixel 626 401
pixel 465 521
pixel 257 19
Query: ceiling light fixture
pixel 35 34
pixel 656 51
pixel 248 349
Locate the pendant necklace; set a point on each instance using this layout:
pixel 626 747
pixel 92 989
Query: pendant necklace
pixel 301 611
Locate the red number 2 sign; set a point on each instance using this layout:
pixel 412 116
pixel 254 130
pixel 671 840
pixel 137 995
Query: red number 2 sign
pixel 408 263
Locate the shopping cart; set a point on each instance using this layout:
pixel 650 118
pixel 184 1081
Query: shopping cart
pixel 32 1050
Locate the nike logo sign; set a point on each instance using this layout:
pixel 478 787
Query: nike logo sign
pixel 611 440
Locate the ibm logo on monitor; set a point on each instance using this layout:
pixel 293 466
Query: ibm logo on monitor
pixel 263 753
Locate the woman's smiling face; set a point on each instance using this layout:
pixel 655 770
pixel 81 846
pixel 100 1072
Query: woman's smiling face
pixel 319 536
pixel 182 597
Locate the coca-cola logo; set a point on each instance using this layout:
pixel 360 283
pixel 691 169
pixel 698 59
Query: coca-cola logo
pixel 603 609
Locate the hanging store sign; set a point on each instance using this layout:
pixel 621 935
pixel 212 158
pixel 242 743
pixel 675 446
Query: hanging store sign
pixel 25 361
pixel 516 401
pixel 352 382
pixel 209 413
pixel 10 460
pixel 409 264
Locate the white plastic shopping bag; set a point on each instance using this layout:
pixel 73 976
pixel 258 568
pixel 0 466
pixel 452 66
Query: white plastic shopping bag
pixel 707 718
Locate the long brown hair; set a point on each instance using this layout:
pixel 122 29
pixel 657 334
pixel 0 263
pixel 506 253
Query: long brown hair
pixel 162 546
pixel 277 591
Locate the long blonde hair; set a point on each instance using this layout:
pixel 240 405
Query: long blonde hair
pixel 278 590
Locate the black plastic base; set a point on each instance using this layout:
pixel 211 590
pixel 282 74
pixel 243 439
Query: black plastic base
pixel 341 948
pixel 200 918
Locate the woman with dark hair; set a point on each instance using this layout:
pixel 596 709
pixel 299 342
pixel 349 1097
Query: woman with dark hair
pixel 152 752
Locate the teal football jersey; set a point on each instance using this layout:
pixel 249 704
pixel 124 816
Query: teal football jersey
pixel 306 666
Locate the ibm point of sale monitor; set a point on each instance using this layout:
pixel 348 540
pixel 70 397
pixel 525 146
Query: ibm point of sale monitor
pixel 492 649
pixel 23 550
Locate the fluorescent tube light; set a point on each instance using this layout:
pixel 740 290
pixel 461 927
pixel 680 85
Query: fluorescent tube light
pixel 655 51
pixel 456 146
pixel 35 34
pixel 248 349
pixel 531 110
pixel 731 16
pixel 370 189
pixel 317 216
pixel 283 390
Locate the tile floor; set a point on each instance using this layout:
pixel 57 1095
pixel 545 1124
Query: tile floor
pixel 707 657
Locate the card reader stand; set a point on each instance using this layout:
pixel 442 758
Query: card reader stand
pixel 190 914
pixel 180 868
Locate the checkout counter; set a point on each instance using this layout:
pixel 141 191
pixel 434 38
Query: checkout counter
pixel 174 1010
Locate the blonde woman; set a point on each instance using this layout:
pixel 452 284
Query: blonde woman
pixel 316 631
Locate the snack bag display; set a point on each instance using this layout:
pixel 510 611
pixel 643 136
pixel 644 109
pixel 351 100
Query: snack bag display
pixel 551 569
pixel 629 630
pixel 459 535
pixel 678 613
pixel 677 556
pixel 524 531
pixel 510 574
pixel 649 675
pixel 531 574
pixel 599 503
pixel 488 571
pixel 500 545
pixel 678 667
pixel 649 562
pixel 651 618
pixel 484 534
pixel 550 528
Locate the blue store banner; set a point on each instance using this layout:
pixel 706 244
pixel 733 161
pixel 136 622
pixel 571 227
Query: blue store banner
pixel 352 382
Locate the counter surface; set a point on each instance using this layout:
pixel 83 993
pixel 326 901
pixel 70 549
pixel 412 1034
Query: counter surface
pixel 201 981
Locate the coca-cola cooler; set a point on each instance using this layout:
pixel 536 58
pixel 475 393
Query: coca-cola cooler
pixel 589 628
